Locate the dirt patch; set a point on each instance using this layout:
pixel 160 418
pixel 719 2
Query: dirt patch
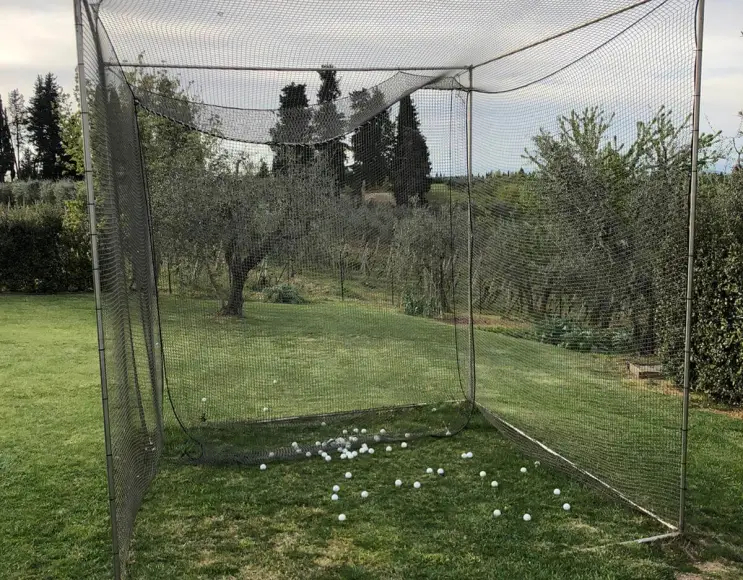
pixel 710 571
pixel 487 321
pixel 337 552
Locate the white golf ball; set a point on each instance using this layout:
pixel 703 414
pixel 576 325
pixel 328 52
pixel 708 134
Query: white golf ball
pixel 398 482
pixel 355 429
pixel 271 454
pixel 417 484
pixel 388 448
pixel 203 399
pixel 309 454
pixel 317 444
pixel 377 438
pixel 566 507
pixel 334 497
pixel 342 518
pixel 403 445
pixel 353 439
pixel 496 513
pixel 483 474
pixel 433 410
pixel 537 464
pixel 328 458
pixel 371 451
pixel 265 409
pixel 364 494
pixel 362 450
pixel 354 454
pixel 295 444
pixel 348 475
pixel 523 470
pixel 464 456
pixel 407 435
pixel 343 455
pixel 527 518
pixel 336 488
pixel 298 450
pixel 440 471
pixel 382 431
pixel 448 433
pixel 275 381
pixel 263 467
pixel 493 483
pixel 363 431
pixel 345 431
pixel 323 424
pixel 556 491
pixel 429 470
pixel 469 455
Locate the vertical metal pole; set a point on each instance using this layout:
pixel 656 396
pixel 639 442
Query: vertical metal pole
pixel 85 122
pixel 470 244
pixel 690 265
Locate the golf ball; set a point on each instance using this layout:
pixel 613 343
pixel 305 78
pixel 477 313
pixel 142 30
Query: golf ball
pixel 342 518
pixel 298 450
pixel 377 438
pixel 308 454
pixel 263 467
pixel 271 454
pixel 336 488
pixel 464 456
pixel 496 513
pixel 556 492
pixel 203 399
pixel 371 451
pixel 493 483
pixel 440 471
pixel 365 494
pixel 328 458
pixel 527 518
pixel 429 470
pixel 448 433
pixel 407 435
pixel 343 455
pixel 433 410
pixel 295 444
pixel 275 381
pixel 417 484
pixel 334 497
pixel 382 431
pixel 362 450
pixel 265 409
pixel 537 464
pixel 355 429
pixel 469 455
pixel 317 444
pixel 398 482
pixel 323 424
pixel 483 474
pixel 403 445
pixel 566 507
pixel 388 448
pixel 348 475
pixel 523 470
pixel 345 431
pixel 363 431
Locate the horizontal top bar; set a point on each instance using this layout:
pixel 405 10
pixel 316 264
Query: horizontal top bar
pixel 285 68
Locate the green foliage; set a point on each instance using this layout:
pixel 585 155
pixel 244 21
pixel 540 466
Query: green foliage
pixel 372 142
pixel 328 124
pixel 20 192
pixel 283 294
pixel 415 304
pixel 294 126
pixel 43 248
pixel 717 316
pixel 569 334
pixel 412 165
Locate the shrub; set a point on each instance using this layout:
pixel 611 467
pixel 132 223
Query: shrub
pixel 44 248
pixel 569 334
pixel 283 294
pixel 418 305
pixel 717 315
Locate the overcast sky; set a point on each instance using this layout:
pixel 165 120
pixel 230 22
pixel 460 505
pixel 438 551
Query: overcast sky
pixel 38 36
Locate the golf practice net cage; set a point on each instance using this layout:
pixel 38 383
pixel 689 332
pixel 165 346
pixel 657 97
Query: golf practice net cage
pixel 314 220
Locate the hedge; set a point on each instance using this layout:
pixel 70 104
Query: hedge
pixel 44 248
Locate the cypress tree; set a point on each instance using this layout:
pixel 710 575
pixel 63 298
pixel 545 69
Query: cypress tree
pixel 44 127
pixel 294 126
pixel 329 124
pixel 412 165
pixel 7 156
pixel 372 141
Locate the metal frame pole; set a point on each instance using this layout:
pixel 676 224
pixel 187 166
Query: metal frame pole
pixel 93 227
pixel 690 265
pixel 470 243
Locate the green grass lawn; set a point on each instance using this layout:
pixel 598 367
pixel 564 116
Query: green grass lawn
pixel 239 522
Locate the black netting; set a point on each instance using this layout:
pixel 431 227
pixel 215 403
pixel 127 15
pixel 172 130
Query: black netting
pixel 292 181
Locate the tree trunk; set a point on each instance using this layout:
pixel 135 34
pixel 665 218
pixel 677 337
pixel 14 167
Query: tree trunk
pixel 239 270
